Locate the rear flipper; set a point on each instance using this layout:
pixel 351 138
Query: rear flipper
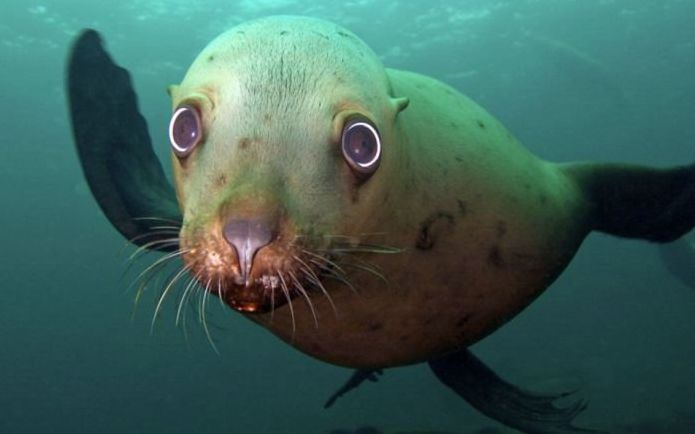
pixel 527 412
pixel 637 202
pixel 679 259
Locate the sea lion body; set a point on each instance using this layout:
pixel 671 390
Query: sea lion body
pixel 369 217
pixel 483 225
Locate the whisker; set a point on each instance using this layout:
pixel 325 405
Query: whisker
pixel 272 300
pixel 196 289
pixel 146 276
pixel 342 278
pixel 324 259
pixel 166 227
pixel 148 233
pixel 144 248
pixel 191 282
pixel 164 295
pixel 186 292
pixel 309 273
pixel 368 268
pixel 152 233
pixel 161 219
pixel 138 294
pixel 161 261
pixel 219 291
pixel 132 259
pixel 353 240
pixel 203 306
pixel 151 271
pixel 286 291
pixel 300 288
pixel 363 248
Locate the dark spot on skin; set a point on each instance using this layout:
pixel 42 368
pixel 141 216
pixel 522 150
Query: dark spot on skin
pixel 459 159
pixel 501 228
pixel 481 124
pixel 211 58
pixel 284 32
pixel 221 180
pixel 375 327
pixel 244 143
pixel 543 199
pixel 343 34
pixel 448 91
pixel 247 142
pixel 527 186
pixel 463 207
pixel 240 32
pixel 267 118
pixel 494 257
pixel 321 35
pixel 431 228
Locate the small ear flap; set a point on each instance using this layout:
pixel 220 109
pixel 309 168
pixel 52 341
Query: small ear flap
pixel 400 103
pixel 171 90
pixel 115 150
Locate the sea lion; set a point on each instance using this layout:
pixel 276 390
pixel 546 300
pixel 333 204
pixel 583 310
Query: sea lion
pixel 369 217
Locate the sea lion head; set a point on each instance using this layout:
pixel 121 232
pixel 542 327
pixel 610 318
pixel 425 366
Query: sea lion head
pixel 282 146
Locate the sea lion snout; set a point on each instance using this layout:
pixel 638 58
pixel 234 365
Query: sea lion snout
pixel 251 252
pixel 247 237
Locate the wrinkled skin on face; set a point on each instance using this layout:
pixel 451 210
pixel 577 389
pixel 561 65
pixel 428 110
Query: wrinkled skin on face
pixel 436 248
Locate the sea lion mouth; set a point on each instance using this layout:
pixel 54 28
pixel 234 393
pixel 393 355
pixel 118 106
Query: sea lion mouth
pixel 264 295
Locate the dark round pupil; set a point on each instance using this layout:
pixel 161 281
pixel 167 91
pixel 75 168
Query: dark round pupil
pixel 185 129
pixel 360 144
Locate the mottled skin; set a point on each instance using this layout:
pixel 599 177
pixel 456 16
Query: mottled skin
pixel 484 226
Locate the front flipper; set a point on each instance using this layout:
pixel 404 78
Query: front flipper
pixel 528 412
pixel 357 378
pixel 115 150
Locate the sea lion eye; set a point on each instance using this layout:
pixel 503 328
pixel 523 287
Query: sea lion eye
pixel 184 130
pixel 361 145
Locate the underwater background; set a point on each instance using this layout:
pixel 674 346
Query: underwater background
pixel 610 80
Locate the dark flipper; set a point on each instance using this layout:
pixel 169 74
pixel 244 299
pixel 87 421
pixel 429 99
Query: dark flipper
pixel 357 378
pixel 114 146
pixel 638 202
pixel 679 258
pixel 530 413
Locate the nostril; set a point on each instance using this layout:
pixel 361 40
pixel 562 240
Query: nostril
pixel 246 237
